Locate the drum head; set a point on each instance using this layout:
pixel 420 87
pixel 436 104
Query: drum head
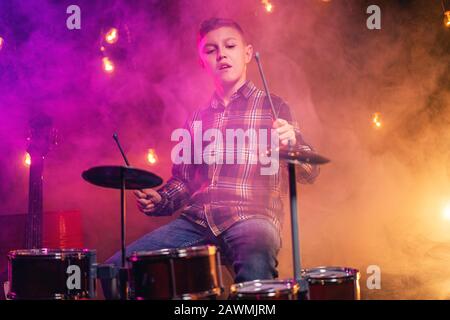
pixel 264 287
pixel 330 274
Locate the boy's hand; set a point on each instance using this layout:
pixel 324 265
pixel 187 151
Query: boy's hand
pixel 147 200
pixel 285 131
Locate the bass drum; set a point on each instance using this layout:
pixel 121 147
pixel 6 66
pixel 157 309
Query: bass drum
pixel 267 290
pixel 51 274
pixel 188 274
pixel 333 283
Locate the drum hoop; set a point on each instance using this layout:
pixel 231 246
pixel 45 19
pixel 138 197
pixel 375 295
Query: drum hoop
pixel 207 250
pixel 187 252
pixel 200 295
pixel 352 275
pixel 55 296
pixel 293 288
pixel 56 254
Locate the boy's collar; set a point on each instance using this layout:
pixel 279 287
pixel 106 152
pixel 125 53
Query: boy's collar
pixel 245 91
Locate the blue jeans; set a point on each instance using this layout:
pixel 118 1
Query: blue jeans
pixel 250 246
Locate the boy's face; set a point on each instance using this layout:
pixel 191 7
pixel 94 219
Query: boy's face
pixel 225 55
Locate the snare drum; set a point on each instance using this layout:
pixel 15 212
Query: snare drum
pixel 51 274
pixel 266 290
pixel 333 283
pixel 188 273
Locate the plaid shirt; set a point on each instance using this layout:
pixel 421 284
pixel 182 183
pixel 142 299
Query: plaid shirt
pixel 219 195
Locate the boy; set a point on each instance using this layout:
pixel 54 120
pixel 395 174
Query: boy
pixel 232 206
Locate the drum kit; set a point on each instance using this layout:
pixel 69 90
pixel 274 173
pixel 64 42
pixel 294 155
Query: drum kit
pixel 192 273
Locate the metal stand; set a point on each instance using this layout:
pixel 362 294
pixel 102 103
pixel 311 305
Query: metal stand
pixel 122 217
pixel 115 284
pixel 294 229
pixel 294 221
pixel 123 283
pixel 123 271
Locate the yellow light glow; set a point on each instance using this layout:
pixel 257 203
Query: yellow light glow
pixel 108 65
pixel 376 120
pixel 447 18
pixel 151 156
pixel 112 36
pixel 446 212
pixel 267 5
pixel 27 160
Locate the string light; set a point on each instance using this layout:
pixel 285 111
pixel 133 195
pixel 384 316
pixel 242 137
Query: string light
pixel 112 36
pixel 27 160
pixel 447 18
pixel 446 14
pixel 446 212
pixel 108 65
pixel 267 5
pixel 151 156
pixel 376 120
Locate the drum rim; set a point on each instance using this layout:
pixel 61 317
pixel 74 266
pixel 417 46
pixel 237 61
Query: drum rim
pixel 55 296
pixel 200 295
pixel 49 253
pixel 175 252
pixel 352 274
pixel 293 288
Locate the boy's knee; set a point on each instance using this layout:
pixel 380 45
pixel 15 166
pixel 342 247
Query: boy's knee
pixel 256 265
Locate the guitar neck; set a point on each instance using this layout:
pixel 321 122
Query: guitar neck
pixel 33 236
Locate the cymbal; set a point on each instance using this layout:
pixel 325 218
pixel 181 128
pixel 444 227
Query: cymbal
pixel 110 177
pixel 296 155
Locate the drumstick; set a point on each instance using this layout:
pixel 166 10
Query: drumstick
pixel 116 138
pixel 266 88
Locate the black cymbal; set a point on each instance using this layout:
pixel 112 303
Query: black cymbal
pixel 110 177
pixel 296 155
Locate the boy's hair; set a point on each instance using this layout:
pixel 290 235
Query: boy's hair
pixel 216 23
